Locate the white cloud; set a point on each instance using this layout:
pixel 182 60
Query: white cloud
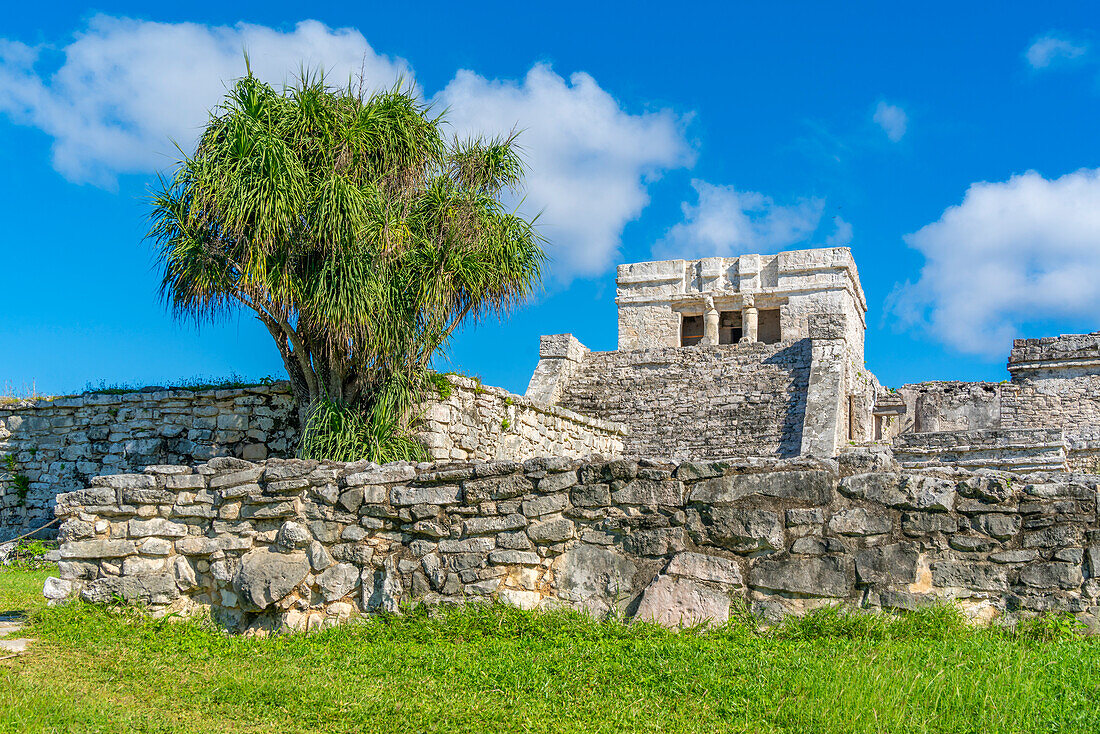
pixel 1018 251
pixel 1050 49
pixel 123 89
pixel 126 88
pixel 590 160
pixel 892 119
pixel 727 222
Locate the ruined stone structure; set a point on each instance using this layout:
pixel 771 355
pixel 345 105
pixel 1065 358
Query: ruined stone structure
pixel 299 545
pixel 745 356
pixel 59 445
pixel 779 473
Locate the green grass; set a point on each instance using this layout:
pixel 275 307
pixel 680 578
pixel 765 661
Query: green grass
pixel 193 384
pixel 494 669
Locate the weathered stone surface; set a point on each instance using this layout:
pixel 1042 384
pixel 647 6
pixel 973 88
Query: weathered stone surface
pixel 975 576
pixel 338 581
pixel 265 576
pixel 888 564
pixel 551 531
pixel 55 589
pixel 157 526
pixel 910 492
pixel 440 494
pixel 705 568
pixel 1052 575
pixel 806 575
pixel 158 589
pixel 649 492
pixel 815 487
pixel 483 525
pixel 98 549
pixel 593 577
pixel 859 521
pixel 293 535
pixel 681 602
pixel 742 530
pixel 514 557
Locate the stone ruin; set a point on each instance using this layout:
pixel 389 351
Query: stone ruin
pixel 733 449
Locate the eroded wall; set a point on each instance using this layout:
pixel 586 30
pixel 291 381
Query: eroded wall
pixel 728 400
pixel 297 545
pixel 58 445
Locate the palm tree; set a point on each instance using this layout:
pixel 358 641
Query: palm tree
pixel 357 233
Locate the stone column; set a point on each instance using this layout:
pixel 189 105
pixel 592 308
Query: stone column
pixel 749 321
pixel 710 324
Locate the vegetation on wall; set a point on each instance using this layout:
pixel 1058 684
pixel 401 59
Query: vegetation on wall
pixel 357 233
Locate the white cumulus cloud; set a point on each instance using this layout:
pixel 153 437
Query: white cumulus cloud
pixel 892 119
pixel 590 160
pixel 125 89
pixel 1012 252
pixel 1050 49
pixel 726 222
pixel 122 90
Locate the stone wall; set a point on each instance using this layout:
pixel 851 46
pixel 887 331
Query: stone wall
pixel 714 401
pixel 1010 449
pixel 476 422
pixel 297 545
pixel 58 445
pixel 950 405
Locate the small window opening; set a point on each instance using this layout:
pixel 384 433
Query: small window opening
pixel 878 427
pixel 691 331
pixel 729 327
pixel 768 329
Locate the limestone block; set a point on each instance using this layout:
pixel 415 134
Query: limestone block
pixel 825 576
pixel 265 576
pixel 593 577
pixel 703 567
pixel 681 602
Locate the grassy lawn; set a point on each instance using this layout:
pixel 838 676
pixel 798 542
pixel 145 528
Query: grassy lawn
pixel 492 669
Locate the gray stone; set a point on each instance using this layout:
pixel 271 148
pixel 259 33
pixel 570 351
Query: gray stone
pixel 797 517
pixel 158 589
pixel 157 526
pixel 593 577
pixel 557 482
pixel 545 504
pixel 437 494
pixel 383 592
pixel 55 589
pixel 265 577
pixel 975 576
pixel 514 557
pixel 483 525
pixel 591 495
pixel 433 569
pixel 184 574
pixel 705 568
pixel 1055 575
pixel 319 558
pixel 293 535
pixel 338 581
pixel 98 549
pixel 888 564
pixel 469 545
pixel 859 521
pixel 825 576
pixel 551 531
pixel 815 487
pixel 743 530
pixel 650 493
pixel 1001 527
pixel 681 602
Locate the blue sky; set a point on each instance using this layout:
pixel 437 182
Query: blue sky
pixel 954 148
